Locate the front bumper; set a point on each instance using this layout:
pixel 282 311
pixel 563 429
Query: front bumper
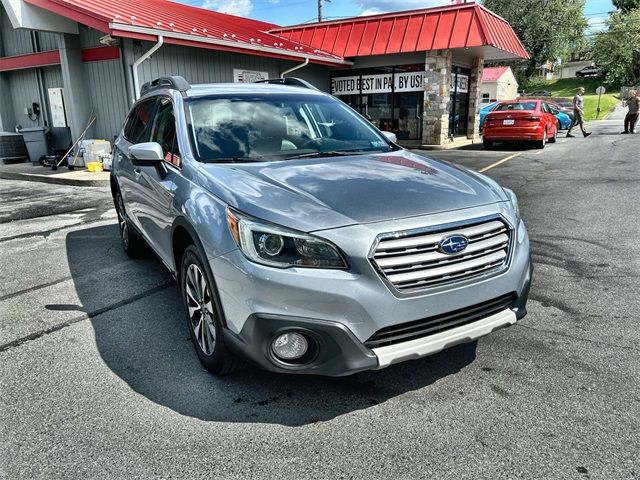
pixel 341 310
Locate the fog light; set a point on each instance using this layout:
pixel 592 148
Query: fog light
pixel 290 346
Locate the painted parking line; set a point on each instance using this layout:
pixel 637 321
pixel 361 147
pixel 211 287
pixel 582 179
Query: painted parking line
pixel 499 162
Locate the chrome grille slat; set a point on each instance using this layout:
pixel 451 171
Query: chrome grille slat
pixel 413 262
pixel 441 263
pixel 436 237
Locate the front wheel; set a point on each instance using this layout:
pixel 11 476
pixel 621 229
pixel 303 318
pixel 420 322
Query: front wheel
pixel 204 318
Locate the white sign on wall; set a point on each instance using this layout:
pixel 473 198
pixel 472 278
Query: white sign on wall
pixel 463 82
pixel 56 104
pixel 248 76
pixel 380 83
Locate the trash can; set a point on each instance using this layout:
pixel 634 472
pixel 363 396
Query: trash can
pixel 35 138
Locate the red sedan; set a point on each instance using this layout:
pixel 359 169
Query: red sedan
pixel 523 120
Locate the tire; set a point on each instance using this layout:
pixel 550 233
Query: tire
pixel 541 143
pixel 488 144
pixel 132 243
pixel 204 315
pixel 553 139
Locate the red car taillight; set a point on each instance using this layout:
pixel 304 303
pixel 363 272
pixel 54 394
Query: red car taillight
pixel 531 119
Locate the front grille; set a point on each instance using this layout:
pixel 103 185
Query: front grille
pixel 413 262
pixel 439 323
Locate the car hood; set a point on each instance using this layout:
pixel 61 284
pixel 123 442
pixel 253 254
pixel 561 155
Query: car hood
pixel 321 193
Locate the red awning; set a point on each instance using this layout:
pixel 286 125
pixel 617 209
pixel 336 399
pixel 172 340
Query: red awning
pixel 457 26
pixel 184 25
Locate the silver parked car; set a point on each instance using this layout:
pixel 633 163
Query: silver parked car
pixel 303 239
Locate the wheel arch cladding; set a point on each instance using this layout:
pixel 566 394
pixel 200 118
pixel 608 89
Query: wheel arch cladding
pixel 181 239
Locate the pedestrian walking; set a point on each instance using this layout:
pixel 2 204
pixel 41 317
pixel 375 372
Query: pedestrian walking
pixel 633 103
pixel 578 113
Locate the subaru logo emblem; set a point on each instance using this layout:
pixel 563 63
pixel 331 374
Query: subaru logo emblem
pixel 453 244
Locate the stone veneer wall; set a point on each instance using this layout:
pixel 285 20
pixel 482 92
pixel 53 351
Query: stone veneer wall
pixel 475 92
pixel 435 120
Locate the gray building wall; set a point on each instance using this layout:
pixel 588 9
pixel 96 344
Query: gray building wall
pixel 89 37
pixel 24 91
pixel 108 97
pixel 14 42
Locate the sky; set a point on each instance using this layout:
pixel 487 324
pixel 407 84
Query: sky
pixel 289 12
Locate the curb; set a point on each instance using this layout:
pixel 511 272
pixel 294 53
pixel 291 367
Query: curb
pixel 27 177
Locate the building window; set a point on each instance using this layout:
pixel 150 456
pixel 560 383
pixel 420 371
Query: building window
pixel 390 97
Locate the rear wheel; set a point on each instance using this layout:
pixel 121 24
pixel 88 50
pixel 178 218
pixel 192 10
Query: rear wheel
pixel 488 144
pixel 132 243
pixel 204 318
pixel 543 142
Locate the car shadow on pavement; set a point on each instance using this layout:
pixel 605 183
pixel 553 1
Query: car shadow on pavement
pixel 144 341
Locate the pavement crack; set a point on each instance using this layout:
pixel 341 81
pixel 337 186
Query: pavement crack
pixel 574 337
pixel 85 316
pixel 35 287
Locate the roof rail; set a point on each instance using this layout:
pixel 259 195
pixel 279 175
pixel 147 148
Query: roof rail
pixel 291 81
pixel 175 82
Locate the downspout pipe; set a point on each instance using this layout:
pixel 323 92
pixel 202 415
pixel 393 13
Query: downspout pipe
pixel 136 64
pixel 293 69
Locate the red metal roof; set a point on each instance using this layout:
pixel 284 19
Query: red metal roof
pixel 493 74
pixel 456 26
pixel 184 25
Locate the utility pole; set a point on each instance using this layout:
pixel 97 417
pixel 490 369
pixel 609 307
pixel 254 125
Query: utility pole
pixel 320 8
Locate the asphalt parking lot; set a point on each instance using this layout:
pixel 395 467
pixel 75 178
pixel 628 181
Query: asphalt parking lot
pixel 98 378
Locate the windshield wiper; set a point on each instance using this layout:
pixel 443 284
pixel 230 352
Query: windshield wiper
pixel 233 160
pixel 332 153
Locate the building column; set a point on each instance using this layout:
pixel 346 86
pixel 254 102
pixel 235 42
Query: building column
pixel 77 102
pixel 475 97
pixel 435 117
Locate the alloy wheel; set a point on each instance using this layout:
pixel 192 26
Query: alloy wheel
pixel 200 308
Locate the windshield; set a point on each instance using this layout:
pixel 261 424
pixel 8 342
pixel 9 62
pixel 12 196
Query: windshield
pixel 260 127
pixel 504 107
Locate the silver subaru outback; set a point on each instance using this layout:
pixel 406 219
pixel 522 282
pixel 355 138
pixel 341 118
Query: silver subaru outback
pixel 303 239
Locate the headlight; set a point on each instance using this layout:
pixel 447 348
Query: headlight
pixel 513 199
pixel 281 247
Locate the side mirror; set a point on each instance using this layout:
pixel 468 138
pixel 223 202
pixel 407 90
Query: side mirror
pixel 148 154
pixel 390 136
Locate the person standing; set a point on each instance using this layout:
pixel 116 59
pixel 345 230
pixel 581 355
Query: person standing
pixel 633 103
pixel 578 113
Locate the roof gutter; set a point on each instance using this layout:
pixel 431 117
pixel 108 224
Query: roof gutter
pixel 121 27
pixel 293 69
pixel 136 64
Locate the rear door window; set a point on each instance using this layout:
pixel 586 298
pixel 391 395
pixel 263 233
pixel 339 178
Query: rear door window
pixel 136 128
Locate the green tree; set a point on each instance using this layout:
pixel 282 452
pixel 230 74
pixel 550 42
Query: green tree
pixel 626 6
pixel 548 29
pixel 617 50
